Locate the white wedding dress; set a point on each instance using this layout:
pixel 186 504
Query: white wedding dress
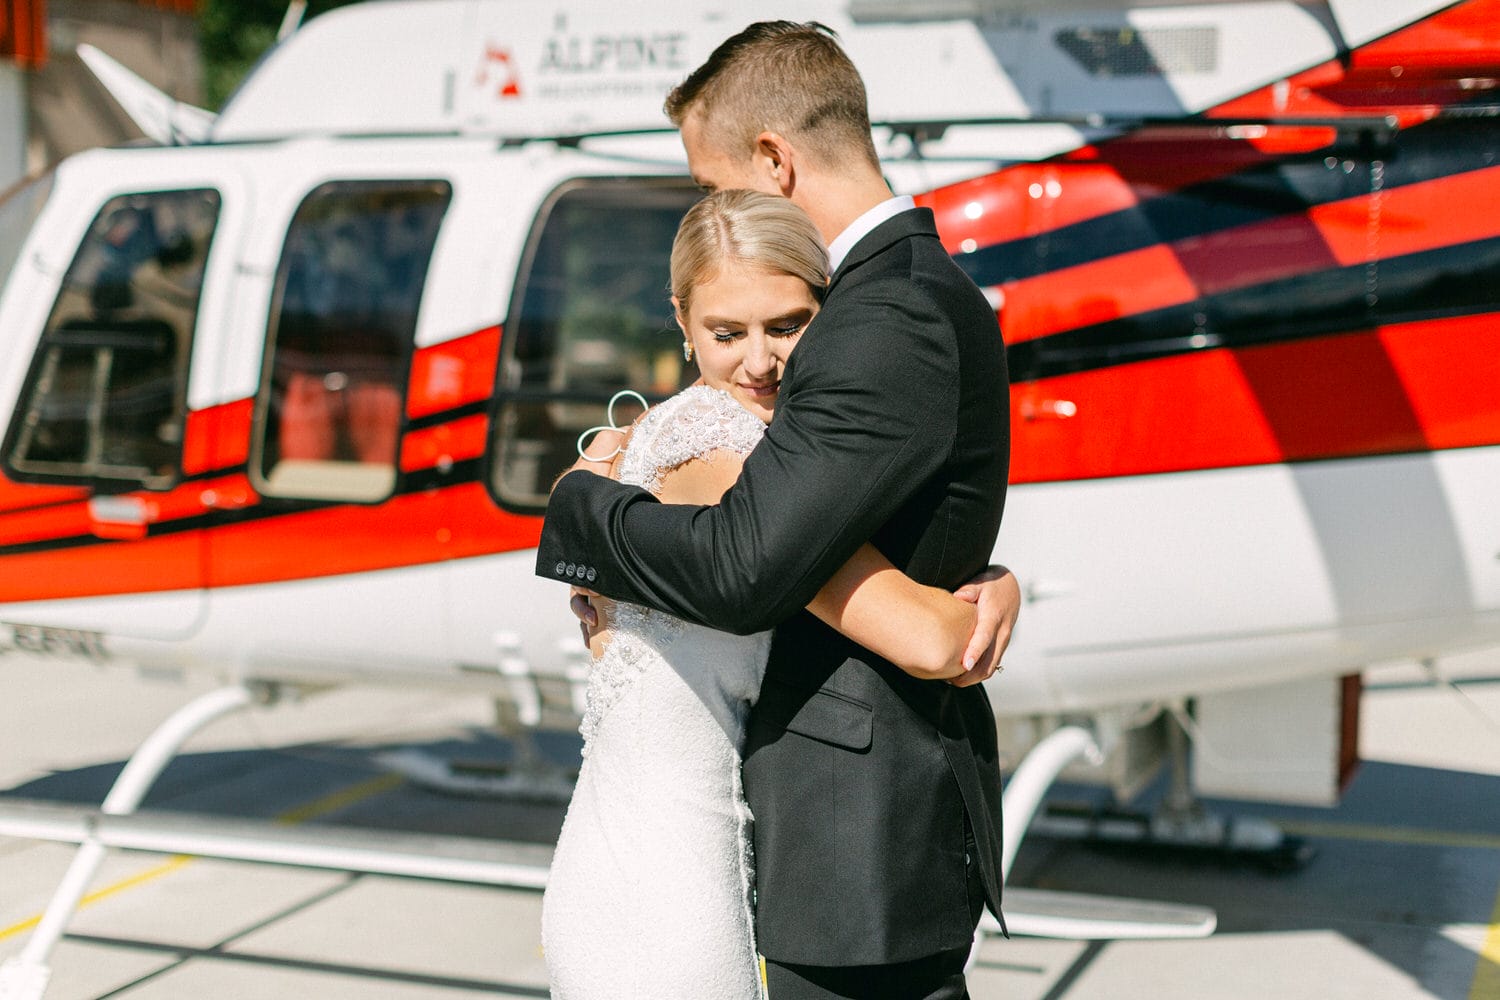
pixel 649 897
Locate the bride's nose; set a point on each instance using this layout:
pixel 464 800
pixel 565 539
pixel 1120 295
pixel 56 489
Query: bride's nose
pixel 759 359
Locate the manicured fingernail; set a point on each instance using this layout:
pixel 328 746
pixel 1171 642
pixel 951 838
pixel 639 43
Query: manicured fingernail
pixel 968 663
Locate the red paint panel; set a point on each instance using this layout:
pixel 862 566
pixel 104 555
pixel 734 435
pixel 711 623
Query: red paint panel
pixel 1164 158
pixel 1412 73
pixel 1463 41
pixel 21 496
pixel 1000 199
pixel 1412 218
pixel 1168 415
pixel 452 442
pixel 218 437
pixel 1450 370
pixel 1415 217
pixel 56 521
pixel 1094 293
pixel 461 522
pixel 453 373
pixel 1411 387
pixel 406 531
pixel 169 562
pixel 479 528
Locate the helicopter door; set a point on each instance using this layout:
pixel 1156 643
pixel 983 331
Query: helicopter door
pixel 104 419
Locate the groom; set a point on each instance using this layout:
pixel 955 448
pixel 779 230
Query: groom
pixel 876 795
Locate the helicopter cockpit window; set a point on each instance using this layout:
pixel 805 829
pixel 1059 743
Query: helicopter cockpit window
pixel 343 315
pixel 106 395
pixel 591 315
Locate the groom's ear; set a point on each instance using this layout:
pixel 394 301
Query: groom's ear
pixel 777 160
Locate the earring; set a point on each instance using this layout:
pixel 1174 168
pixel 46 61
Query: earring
pixel 687 350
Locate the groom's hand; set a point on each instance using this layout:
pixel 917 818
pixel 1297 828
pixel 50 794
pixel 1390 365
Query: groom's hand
pixel 997 595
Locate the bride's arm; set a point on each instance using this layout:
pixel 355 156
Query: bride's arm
pixel 922 630
pixel 607 445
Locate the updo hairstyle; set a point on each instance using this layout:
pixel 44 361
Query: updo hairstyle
pixel 759 230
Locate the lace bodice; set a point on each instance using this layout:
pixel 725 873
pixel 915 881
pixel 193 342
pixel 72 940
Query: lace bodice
pixel 689 425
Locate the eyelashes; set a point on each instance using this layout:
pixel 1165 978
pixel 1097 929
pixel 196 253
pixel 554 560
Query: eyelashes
pixel 726 336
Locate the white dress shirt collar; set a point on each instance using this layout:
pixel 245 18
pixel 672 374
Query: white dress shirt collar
pixel 860 227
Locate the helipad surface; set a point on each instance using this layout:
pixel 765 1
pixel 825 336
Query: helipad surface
pixel 1400 901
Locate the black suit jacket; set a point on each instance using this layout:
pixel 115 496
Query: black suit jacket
pixel 892 427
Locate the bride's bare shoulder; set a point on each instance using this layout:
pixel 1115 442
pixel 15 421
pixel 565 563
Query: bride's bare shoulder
pixel 703 479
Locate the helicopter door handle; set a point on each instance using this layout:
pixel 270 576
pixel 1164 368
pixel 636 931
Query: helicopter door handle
pixel 1048 409
pixel 1045 590
pixel 221 500
pixel 121 518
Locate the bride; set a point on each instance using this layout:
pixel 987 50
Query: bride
pixel 651 891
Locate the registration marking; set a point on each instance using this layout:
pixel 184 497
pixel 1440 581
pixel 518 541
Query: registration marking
pixel 52 643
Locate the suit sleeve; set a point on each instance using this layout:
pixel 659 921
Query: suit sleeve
pixel 867 420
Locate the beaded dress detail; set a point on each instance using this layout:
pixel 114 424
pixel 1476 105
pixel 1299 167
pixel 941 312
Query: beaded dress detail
pixel 649 895
pixel 692 424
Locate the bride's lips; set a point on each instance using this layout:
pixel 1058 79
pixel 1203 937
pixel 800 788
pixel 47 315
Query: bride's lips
pixel 761 391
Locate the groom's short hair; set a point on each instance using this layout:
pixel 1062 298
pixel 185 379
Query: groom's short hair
pixel 783 77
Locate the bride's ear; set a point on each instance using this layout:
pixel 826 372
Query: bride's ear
pixel 677 314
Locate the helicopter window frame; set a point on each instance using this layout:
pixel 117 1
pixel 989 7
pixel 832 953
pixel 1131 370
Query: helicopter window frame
pixel 351 416
pixel 20 204
pixel 574 407
pixel 133 354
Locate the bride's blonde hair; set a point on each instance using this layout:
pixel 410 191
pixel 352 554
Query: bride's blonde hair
pixel 760 230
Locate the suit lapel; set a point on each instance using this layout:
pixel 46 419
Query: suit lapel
pixel 912 222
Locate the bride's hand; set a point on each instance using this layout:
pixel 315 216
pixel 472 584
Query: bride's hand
pixel 599 456
pixel 591 610
pixel 998 597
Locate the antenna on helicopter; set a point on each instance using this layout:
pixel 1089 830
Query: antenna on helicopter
pixel 162 117
pixel 292 19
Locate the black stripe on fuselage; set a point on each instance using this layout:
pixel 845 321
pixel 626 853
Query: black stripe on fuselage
pixel 1279 188
pixel 420 481
pixel 1458 280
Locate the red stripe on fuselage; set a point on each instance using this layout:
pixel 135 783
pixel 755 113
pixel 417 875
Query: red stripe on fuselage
pixel 94 559
pixel 454 373
pixel 407 530
pixel 1410 387
pixel 1411 74
pixel 25 496
pixel 441 446
pixel 1460 208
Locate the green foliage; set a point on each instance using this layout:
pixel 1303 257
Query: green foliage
pixel 236 33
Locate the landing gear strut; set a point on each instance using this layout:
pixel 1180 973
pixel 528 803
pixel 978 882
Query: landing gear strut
pixel 1180 824
pixel 25 977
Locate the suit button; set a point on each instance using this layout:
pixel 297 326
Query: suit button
pixel 562 569
pixel 592 573
pixel 570 569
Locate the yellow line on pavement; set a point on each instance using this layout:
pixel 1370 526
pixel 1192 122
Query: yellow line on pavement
pixel 1392 834
pixel 335 801
pixel 301 814
pixel 1486 985
pixel 165 868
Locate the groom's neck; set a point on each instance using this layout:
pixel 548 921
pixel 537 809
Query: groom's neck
pixel 834 201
